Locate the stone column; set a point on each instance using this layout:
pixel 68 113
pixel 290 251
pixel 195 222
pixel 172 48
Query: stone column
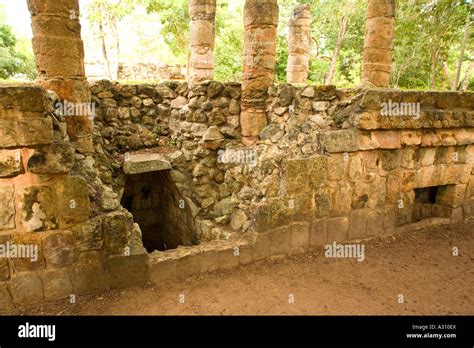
pixel 298 44
pixel 260 22
pixel 378 45
pixel 202 15
pixel 59 53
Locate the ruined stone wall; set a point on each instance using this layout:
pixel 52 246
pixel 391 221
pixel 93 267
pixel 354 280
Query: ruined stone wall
pixel 328 167
pixel 52 201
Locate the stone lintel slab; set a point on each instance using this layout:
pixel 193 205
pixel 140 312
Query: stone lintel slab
pixel 144 163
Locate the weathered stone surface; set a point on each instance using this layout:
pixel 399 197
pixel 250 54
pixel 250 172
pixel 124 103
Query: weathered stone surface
pixel 52 159
pixel 339 141
pixel 126 271
pixel 337 229
pixel 6 300
pixel 115 227
pixel 25 132
pixel 56 283
pixel 21 101
pixel 7 207
pixel 58 249
pixel 89 274
pixel 26 288
pixel 73 200
pixel 28 244
pixel 10 163
pixel 145 163
pixel 38 208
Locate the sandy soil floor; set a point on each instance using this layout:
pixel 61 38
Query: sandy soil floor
pixel 418 265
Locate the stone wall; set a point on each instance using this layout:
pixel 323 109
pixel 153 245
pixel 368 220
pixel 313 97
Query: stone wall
pixel 151 72
pixel 328 167
pixel 52 202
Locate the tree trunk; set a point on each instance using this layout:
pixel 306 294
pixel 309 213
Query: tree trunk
pixel 202 15
pixel 59 53
pixel 467 30
pixel 299 45
pixel 378 44
pixel 340 39
pixel 260 23
pixel 465 80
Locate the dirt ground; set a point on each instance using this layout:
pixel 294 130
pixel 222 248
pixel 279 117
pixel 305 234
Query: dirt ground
pixel 418 265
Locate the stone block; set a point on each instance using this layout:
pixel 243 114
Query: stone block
pixel 52 159
pixel 410 138
pixel 375 220
pixel 38 208
pixel 299 237
pixel 89 275
pixel 29 246
pixel 341 199
pixel 7 207
pixel 145 163
pixel 127 271
pixel 339 141
pixel 451 195
pixel 227 258
pixel 26 288
pixel 56 283
pixel 88 235
pixel 115 229
pixel 58 249
pixel 303 175
pixel 25 132
pixel 21 101
pixel 428 156
pixel 209 260
pixel 318 232
pixel 388 139
pixel 337 166
pixel 6 300
pixel 73 200
pixel 280 241
pixel 337 229
pixel 163 270
pixel 261 248
pixel 358 224
pixel 10 163
pixel 246 254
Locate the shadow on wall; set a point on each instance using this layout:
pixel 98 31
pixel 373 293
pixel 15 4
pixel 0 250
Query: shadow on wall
pixel 164 218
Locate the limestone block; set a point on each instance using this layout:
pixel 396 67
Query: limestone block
pixel 127 271
pixel 31 246
pixel 145 163
pixel 89 274
pixel 7 207
pixel 337 229
pixel 6 300
pixel 26 288
pixel 72 200
pixel 58 249
pixel 56 283
pixel 21 132
pixel 339 141
pixel 10 163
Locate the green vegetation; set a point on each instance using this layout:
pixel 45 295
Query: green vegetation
pixel 433 48
pixel 16 55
